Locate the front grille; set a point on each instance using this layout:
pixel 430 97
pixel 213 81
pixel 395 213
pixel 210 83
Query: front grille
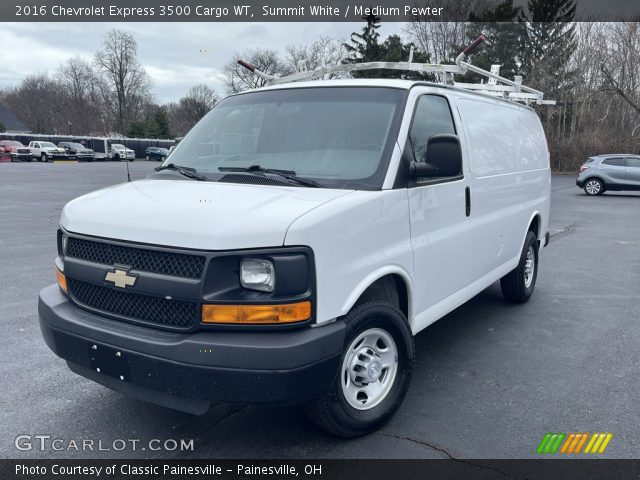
pixel 23 150
pixel 134 306
pixel 256 180
pixel 153 261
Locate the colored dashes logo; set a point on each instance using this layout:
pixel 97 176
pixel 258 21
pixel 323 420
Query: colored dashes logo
pixel 580 442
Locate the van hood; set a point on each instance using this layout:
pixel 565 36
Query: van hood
pixel 191 214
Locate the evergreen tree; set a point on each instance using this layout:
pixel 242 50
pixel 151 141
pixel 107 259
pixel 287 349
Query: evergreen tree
pixel 137 129
pixel 365 47
pixel 158 125
pixel 548 42
pixel 503 33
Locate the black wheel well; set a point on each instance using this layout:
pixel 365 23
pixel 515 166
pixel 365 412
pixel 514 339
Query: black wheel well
pixel 534 226
pixel 392 288
pixel 594 177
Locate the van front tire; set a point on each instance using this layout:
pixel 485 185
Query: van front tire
pixel 518 285
pixel 379 345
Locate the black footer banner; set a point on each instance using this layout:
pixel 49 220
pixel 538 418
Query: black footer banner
pixel 318 469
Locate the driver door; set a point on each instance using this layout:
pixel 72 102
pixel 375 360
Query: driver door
pixel 440 223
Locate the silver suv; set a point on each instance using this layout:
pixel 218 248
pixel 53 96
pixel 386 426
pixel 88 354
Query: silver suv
pixel 610 172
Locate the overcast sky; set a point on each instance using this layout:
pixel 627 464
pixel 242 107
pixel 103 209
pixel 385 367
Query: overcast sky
pixel 176 55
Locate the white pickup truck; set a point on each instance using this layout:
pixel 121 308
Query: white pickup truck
pixel 119 152
pixel 45 151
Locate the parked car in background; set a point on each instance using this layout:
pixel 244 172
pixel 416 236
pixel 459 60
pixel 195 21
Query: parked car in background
pixel 119 152
pixel 157 153
pixel 44 151
pixel 77 151
pixel 15 150
pixel 610 172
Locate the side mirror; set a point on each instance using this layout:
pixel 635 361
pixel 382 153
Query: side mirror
pixel 443 158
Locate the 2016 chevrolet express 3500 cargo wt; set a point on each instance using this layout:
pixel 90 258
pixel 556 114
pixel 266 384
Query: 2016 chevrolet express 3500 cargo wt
pixel 295 242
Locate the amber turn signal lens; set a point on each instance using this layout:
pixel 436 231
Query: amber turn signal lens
pixel 257 314
pixel 62 280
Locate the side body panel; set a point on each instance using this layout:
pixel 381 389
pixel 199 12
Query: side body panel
pixel 422 234
pixel 633 172
pixel 615 176
pixel 509 180
pixel 356 239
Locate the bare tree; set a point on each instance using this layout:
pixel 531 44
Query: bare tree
pixel 442 40
pixel 127 82
pixel 196 104
pixel 621 69
pixel 600 112
pixel 238 78
pixel 37 101
pixel 77 81
pixel 325 51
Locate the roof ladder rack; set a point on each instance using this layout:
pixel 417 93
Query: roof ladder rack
pixel 497 86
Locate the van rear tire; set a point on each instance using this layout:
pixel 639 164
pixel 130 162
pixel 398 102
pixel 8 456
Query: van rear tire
pixel 518 285
pixel 390 357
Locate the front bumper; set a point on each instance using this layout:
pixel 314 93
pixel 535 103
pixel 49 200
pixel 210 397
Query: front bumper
pixel 186 371
pixel 20 157
pixel 82 156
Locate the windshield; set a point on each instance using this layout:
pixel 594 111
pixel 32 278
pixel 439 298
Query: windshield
pixel 117 146
pixel 47 145
pixel 340 137
pixel 13 144
pixel 74 145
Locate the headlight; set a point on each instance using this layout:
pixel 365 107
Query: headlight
pixel 257 274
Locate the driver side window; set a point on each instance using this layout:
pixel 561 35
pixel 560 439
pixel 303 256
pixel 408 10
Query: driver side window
pixel 432 117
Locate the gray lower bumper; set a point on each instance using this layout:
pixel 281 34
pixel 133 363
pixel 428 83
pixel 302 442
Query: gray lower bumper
pixel 229 366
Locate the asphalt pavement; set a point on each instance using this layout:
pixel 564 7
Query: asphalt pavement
pixel 490 380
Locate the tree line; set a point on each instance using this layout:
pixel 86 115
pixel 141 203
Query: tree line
pixel 109 94
pixel 591 68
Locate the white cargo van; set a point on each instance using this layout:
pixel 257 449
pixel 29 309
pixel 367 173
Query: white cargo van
pixel 295 242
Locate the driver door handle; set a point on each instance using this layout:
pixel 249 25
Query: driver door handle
pixel 467 198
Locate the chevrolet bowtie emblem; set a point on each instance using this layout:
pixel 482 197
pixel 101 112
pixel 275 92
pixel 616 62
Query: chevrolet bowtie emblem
pixel 120 278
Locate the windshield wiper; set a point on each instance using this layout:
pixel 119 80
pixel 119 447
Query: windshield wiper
pixel 257 170
pixel 186 171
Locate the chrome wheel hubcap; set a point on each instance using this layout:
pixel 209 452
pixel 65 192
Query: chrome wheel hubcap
pixel 593 187
pixel 529 267
pixel 369 369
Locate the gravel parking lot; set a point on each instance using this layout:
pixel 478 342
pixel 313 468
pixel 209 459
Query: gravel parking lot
pixel 491 379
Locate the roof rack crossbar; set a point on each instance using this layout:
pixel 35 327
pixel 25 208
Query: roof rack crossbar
pixel 353 67
pixel 503 87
